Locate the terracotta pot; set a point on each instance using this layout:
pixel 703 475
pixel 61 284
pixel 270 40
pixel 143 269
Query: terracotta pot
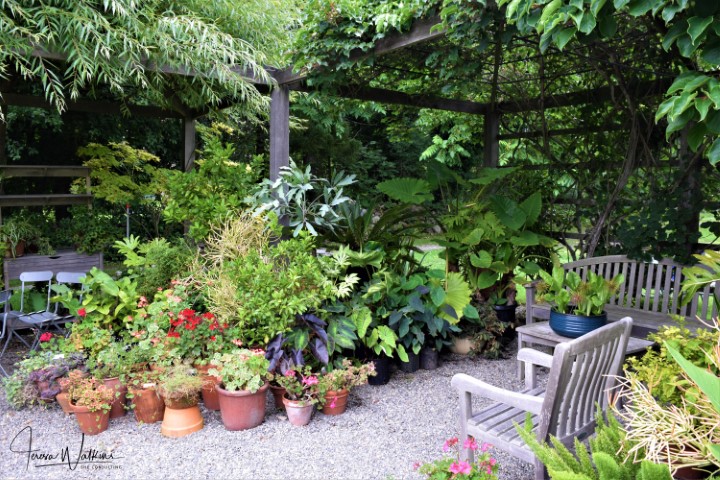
pixel 335 402
pixel 19 249
pixel 463 345
pixel 91 423
pixel 278 394
pixel 118 405
pixel 154 367
pixel 178 422
pixel 298 413
pixel 149 407
pixel 209 392
pixel 242 410
pixel 64 400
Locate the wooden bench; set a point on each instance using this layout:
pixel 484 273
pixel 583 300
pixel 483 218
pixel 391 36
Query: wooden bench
pixel 68 261
pixel 650 294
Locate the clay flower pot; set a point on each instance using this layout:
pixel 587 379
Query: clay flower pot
pixel 118 405
pixel 298 413
pixel 335 402
pixel 149 407
pixel 178 422
pixel 63 400
pixel 278 394
pixel 91 423
pixel 242 410
pixel 210 395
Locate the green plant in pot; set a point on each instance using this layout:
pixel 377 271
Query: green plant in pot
pixel 480 332
pixel 579 305
pixel 180 386
pixel 14 232
pixel 112 364
pixel 243 384
pixel 301 393
pixel 92 402
pixel 334 386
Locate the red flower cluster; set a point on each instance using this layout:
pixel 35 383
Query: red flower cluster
pixel 197 335
pixel 46 337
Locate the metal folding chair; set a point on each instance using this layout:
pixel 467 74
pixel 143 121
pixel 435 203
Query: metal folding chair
pixel 40 320
pixel 67 282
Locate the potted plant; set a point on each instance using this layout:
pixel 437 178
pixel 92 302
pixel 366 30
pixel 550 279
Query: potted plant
pixel 196 337
pixel 91 401
pixel 14 232
pixel 335 385
pixel 244 382
pixel 579 305
pixel 112 365
pixel 180 386
pixel 145 400
pixel 301 393
pixel 480 334
pixel 484 467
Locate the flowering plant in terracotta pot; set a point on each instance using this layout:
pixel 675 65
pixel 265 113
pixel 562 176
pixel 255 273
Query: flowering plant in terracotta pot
pixel 196 336
pixel 90 393
pixel 300 385
pixel 484 468
pixel 346 376
pixel 242 369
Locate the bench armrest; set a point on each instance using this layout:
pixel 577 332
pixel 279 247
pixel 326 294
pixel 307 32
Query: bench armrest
pixel 467 384
pixel 536 357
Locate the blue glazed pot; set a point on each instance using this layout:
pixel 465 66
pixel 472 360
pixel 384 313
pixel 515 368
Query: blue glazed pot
pixel 575 326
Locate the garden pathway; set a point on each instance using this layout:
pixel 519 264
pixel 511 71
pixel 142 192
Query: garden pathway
pixel 385 431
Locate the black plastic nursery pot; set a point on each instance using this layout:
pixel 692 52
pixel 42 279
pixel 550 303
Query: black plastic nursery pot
pixel 413 363
pixel 429 358
pixel 505 313
pixel 382 371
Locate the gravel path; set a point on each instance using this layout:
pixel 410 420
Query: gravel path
pixel 385 430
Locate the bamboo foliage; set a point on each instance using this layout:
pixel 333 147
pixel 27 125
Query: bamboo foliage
pixel 71 47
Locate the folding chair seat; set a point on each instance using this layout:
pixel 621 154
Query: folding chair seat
pixel 39 320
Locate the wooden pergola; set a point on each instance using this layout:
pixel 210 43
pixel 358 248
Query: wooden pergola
pixel 422 32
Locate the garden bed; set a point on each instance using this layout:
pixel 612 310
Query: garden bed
pixel 384 432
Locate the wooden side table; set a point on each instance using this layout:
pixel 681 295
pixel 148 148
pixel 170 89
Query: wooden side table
pixel 540 333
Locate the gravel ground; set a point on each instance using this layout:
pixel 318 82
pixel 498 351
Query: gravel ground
pixel 385 430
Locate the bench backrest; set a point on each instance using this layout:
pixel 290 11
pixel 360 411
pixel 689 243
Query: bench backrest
pixel 65 261
pixel 652 287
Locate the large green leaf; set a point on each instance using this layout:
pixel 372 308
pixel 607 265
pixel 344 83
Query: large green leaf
pixel 407 190
pixel 526 239
pixel 486 176
pixel 457 296
pixel 483 259
pixel 708 382
pixel 508 211
pixel 532 206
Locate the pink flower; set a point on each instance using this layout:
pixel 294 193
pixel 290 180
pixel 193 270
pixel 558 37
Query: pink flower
pixel 492 462
pixel 143 302
pixel 460 467
pixel 237 342
pixel 81 312
pixel 470 444
pixel 311 380
pixel 289 373
pixel 416 465
pixel 332 404
pixel 485 447
pixel 451 442
pixel 46 337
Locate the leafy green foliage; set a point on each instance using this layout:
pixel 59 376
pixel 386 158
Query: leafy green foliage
pixel 93 230
pixel 571 294
pixel 215 190
pixel 308 202
pixel 662 375
pixel 608 451
pixel 155 263
pixel 693 99
pixel 147 37
pixel 699 276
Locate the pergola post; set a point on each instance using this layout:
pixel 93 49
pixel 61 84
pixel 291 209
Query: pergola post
pixel 279 130
pixel 491 144
pixel 190 143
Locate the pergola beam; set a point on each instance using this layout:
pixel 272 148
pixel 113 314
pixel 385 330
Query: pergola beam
pixel 88 106
pixel 421 31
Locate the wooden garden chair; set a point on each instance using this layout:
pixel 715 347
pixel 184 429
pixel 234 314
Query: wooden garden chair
pixel 582 371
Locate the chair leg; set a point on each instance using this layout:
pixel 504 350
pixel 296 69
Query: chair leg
pixel 465 413
pixel 541 472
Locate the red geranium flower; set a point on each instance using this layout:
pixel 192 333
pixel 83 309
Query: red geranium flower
pixel 46 337
pixel 81 312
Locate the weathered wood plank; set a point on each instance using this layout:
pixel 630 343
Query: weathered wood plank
pixel 9 171
pixel 40 200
